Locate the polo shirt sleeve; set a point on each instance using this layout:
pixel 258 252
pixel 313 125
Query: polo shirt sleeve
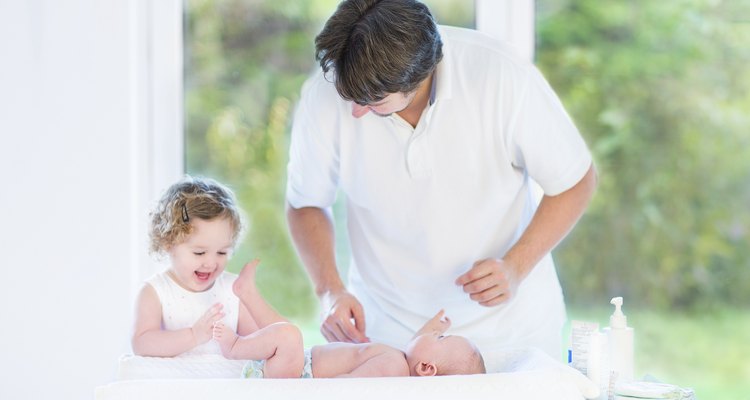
pixel 544 140
pixel 313 168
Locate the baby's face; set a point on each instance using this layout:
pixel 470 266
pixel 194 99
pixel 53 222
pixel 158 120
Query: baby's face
pixel 433 347
pixel 202 257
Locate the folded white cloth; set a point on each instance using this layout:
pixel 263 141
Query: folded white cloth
pixel 652 390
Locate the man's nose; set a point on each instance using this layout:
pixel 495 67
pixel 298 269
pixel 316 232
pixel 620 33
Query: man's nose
pixel 358 111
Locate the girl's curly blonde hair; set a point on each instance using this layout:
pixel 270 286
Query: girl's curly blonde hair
pixel 185 200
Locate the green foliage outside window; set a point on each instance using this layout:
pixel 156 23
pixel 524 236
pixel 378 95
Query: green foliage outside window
pixel 660 91
pixel 245 62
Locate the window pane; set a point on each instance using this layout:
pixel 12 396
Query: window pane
pixel 660 91
pixel 245 62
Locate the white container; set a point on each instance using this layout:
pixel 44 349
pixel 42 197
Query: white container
pixel 581 347
pixel 620 344
pixel 597 368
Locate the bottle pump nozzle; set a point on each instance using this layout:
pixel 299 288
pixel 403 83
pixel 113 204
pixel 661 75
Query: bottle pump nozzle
pixel 618 320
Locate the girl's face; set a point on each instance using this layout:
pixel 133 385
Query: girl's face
pixel 202 257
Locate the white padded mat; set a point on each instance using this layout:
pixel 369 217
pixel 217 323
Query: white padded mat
pixel 203 366
pixel 524 373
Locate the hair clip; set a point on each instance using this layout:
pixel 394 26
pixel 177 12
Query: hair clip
pixel 185 217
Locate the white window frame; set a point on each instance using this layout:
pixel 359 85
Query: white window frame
pixel 509 20
pixel 157 135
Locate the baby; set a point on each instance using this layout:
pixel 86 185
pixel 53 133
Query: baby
pixel 429 352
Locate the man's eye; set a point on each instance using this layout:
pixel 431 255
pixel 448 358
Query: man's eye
pixel 199 253
pixel 222 253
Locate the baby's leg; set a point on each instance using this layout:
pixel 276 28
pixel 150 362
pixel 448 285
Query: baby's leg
pixel 288 357
pixel 277 341
pixel 280 345
pixel 227 340
pixel 244 287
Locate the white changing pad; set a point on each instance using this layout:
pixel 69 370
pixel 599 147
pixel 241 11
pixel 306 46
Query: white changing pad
pixel 517 374
pixel 204 366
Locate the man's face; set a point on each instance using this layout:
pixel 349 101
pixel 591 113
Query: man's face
pixel 393 103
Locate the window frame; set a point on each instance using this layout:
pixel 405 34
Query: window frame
pixel 509 20
pixel 156 119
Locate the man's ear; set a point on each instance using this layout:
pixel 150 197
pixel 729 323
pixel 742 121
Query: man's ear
pixel 426 369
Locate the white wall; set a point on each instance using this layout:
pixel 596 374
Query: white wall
pixel 83 150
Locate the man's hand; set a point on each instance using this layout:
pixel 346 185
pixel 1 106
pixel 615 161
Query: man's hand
pixel 203 328
pixel 343 318
pixel 490 282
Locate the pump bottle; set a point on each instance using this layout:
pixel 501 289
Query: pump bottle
pixel 620 343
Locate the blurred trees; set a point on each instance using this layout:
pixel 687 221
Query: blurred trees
pixel 245 62
pixel 661 91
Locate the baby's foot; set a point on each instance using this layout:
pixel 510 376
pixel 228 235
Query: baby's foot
pixel 225 337
pixel 245 282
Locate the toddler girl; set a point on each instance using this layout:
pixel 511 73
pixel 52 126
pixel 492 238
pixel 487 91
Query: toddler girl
pixel 197 224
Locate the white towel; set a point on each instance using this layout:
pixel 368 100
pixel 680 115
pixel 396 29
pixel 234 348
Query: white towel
pixel 652 390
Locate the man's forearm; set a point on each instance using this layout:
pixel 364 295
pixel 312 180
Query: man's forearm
pixel 313 235
pixel 553 220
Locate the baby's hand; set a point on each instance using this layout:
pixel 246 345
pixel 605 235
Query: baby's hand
pixel 203 328
pixel 439 323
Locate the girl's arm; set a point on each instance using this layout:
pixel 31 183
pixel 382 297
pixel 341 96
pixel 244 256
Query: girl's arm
pixel 149 339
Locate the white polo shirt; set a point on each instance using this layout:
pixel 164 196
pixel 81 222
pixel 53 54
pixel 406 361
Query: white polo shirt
pixel 425 203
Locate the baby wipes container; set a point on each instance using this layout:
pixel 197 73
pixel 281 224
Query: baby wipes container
pixel 620 344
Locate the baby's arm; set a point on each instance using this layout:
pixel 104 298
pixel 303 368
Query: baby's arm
pixel 439 323
pixel 149 339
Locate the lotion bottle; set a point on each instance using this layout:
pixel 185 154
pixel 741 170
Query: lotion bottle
pixel 620 343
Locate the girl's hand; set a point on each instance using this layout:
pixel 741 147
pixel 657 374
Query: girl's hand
pixel 203 328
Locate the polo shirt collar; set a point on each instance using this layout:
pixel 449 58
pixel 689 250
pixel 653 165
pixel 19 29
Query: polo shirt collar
pixel 442 84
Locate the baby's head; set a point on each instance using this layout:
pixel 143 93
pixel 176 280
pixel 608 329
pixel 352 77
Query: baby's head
pixel 197 223
pixel 432 353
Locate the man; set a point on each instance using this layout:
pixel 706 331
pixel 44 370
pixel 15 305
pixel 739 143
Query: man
pixel 436 136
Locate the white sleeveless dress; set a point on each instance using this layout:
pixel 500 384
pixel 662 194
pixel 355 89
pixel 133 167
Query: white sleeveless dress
pixel 181 308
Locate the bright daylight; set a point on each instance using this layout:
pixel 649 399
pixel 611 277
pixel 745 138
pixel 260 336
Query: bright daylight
pixel 424 199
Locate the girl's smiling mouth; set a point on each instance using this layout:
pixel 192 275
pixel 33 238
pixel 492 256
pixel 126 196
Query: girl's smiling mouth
pixel 202 276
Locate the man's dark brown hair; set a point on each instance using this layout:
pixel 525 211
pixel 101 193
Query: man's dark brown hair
pixel 378 47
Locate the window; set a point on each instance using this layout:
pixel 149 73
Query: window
pixel 658 89
pixel 245 63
